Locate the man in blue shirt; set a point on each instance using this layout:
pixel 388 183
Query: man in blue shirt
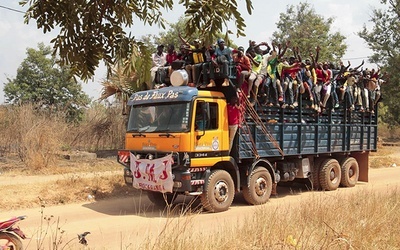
pixel 224 57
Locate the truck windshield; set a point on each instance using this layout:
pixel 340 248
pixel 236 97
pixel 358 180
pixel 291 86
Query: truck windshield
pixel 159 117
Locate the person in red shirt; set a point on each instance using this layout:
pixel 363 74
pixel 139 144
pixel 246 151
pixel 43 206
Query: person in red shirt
pixel 171 54
pixel 234 117
pixel 327 87
pixel 243 66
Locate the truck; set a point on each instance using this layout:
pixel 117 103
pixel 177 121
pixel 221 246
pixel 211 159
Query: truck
pixel 168 154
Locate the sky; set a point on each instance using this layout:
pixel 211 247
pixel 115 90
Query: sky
pixel 350 16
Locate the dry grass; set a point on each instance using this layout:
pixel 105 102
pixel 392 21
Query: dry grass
pixel 387 133
pixel 39 138
pixel 335 222
pixel 64 189
pixel 34 136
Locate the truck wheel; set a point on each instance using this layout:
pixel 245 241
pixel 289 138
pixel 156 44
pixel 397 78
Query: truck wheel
pixel 159 199
pixel 219 192
pixel 350 172
pixel 315 184
pixel 330 175
pixel 258 189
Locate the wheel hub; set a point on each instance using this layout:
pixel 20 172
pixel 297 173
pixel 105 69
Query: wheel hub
pixel 351 172
pixel 260 187
pixel 221 191
pixel 333 176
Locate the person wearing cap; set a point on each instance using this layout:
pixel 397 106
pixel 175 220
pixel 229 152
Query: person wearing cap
pixel 243 66
pixel 159 59
pixel 224 57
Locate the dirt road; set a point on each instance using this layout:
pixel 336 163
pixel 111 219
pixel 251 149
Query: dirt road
pixel 128 222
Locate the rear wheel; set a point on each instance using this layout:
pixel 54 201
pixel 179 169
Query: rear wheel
pixel 159 199
pixel 10 241
pixel 330 174
pixel 315 184
pixel 350 172
pixel 258 189
pixel 219 192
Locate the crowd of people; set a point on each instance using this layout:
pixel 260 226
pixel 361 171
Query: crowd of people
pixel 267 75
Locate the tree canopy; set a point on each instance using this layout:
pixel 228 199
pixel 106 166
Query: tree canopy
pixel 94 31
pixel 384 40
pixel 305 29
pixel 40 81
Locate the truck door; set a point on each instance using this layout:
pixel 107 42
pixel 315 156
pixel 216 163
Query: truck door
pixel 208 132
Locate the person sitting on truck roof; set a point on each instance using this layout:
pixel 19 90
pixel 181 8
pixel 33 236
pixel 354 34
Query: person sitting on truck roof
pixel 326 87
pixel 272 62
pixel 197 53
pixel 288 71
pixel 158 60
pixel 257 49
pixel 272 82
pixel 243 66
pixel 255 77
pixel 224 57
pixel 170 57
pixel 298 88
pixel 209 67
pixel 347 90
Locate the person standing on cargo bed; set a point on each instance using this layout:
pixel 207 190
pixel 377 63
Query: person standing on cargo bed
pixel 234 116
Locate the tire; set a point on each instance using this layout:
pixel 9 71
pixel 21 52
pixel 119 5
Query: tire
pixel 159 199
pixel 329 174
pixel 259 187
pixel 219 192
pixel 315 183
pixel 11 241
pixel 350 172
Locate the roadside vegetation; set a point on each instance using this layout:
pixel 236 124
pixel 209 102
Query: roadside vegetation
pixel 319 222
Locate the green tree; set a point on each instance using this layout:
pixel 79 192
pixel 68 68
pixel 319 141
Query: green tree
pixel 170 36
pixel 305 29
pixel 40 81
pixel 91 31
pixel 384 40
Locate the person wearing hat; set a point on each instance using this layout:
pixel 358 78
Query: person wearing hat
pixel 224 57
pixel 243 66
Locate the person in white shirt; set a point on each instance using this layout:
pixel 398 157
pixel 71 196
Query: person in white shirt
pixel 159 59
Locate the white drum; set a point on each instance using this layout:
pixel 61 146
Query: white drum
pixel 179 77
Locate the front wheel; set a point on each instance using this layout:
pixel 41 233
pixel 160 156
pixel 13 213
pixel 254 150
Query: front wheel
pixel 219 192
pixel 259 187
pixel 10 241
